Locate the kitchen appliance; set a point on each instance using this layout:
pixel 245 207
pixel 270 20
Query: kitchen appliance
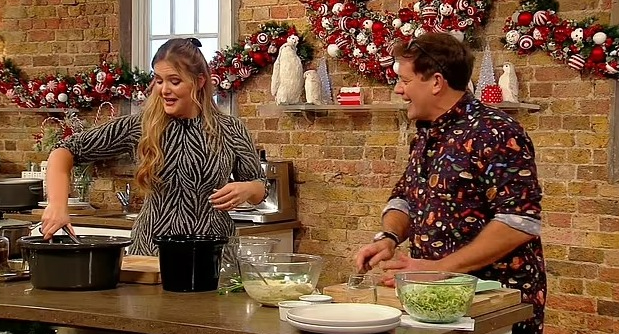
pixel 280 204
pixel 93 264
pixel 20 194
pixel 13 230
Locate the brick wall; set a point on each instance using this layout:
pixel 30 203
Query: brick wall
pixel 346 164
pixel 48 36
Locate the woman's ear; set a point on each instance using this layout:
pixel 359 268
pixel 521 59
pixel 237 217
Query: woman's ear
pixel 201 81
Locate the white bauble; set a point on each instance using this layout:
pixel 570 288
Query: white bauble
pixel 337 8
pixel 367 24
pixel 419 31
pixel 49 97
pixel 333 50
pixel 512 37
pixel 225 84
pixel 599 38
pixel 326 23
pixel 459 35
pixel 362 39
pixel 100 76
pixel 357 53
pixel 577 35
pixel 397 23
pixel 407 29
pixel 62 97
pixel 372 49
pixel 417 7
pixel 396 67
pixel 43 87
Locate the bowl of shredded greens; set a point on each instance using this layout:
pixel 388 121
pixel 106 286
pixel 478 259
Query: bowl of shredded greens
pixel 435 297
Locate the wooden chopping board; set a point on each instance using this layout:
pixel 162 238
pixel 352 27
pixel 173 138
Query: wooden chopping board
pixel 140 269
pixel 74 212
pixel 484 302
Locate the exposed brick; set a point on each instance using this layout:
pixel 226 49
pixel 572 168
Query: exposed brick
pixel 558 219
pixel 576 122
pixel 579 156
pixel 591 172
pixel 602 240
pixel 585 222
pixel 571 303
pixel 609 308
pixel 572 89
pixel 555 73
pixel 571 285
pixel 571 269
pixel 557 252
pixel 586 254
pixel 598 289
pixel 553 139
pixel 608 224
pixel 583 188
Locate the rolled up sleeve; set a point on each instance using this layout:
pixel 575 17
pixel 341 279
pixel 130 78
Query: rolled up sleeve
pixel 510 182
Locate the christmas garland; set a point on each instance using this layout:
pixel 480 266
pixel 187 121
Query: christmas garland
pixel 105 82
pixel 364 39
pixel 229 67
pixel 585 46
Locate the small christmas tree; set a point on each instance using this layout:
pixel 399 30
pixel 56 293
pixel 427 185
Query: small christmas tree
pixel 486 73
pixel 325 81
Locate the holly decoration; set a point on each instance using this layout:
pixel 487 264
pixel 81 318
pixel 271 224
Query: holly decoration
pixel 585 46
pixel 364 39
pixel 108 81
pixel 234 65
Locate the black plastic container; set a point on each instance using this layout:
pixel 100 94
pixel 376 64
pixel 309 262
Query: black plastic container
pixel 190 263
pixel 94 264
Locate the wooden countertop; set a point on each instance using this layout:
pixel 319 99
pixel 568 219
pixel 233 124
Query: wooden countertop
pixel 150 310
pixel 102 220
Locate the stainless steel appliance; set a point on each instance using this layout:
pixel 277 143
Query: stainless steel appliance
pixel 281 204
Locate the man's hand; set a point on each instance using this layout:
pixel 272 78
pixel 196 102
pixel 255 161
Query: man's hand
pixel 370 255
pixel 402 262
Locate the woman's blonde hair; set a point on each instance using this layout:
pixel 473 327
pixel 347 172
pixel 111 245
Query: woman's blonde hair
pixel 186 58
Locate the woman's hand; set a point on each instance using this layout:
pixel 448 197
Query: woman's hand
pixel 54 218
pixel 234 194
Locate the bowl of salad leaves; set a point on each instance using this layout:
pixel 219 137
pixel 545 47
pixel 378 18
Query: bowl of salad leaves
pixel 435 296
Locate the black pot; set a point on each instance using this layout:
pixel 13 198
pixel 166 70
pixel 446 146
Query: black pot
pixel 13 230
pixel 63 265
pixel 190 263
pixel 20 194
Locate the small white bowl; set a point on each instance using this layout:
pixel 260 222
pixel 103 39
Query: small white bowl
pixel 287 305
pixel 317 299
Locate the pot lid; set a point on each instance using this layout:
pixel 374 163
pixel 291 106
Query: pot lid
pixel 18 180
pixel 8 223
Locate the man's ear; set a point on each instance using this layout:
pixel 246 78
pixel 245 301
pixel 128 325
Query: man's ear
pixel 439 83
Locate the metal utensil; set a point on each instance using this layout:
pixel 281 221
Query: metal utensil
pixel 72 236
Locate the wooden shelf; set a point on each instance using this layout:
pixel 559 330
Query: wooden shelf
pixel 311 111
pixel 515 106
pixel 40 110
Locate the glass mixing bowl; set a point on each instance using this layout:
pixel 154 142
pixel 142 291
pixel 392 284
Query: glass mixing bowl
pixel 435 297
pixel 274 277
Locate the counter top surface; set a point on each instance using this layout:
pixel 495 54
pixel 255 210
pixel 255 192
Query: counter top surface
pixel 149 309
pixel 106 219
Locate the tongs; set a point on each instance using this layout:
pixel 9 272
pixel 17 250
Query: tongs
pixel 71 235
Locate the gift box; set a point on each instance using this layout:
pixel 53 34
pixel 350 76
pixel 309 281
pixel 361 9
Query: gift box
pixel 350 96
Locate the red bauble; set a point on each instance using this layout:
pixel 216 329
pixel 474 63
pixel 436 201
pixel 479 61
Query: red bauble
pixel 109 79
pixel 597 55
pixel 62 87
pixel 405 14
pixel 348 9
pixel 377 27
pixel 259 59
pixel 525 18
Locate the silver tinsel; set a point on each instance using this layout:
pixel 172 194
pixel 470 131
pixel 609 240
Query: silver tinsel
pixel 325 81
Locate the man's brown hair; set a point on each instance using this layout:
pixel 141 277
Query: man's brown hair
pixel 439 53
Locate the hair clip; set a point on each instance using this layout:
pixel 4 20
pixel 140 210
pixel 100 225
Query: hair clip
pixel 196 42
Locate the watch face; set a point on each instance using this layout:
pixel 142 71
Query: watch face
pixel 378 236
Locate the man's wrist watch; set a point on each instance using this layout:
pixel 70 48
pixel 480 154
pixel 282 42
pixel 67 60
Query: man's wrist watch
pixel 382 235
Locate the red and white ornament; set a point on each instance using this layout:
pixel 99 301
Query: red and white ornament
pixel 323 9
pixel 215 79
pixel 337 8
pixel 372 48
pixel 262 38
pixel 576 62
pixel 540 18
pixel 386 61
pixel 244 72
pixel 446 9
pixel 342 42
pixel 526 42
pixel 462 5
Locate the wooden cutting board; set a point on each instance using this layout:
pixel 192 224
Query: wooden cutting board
pixel 483 303
pixel 140 269
pixel 74 212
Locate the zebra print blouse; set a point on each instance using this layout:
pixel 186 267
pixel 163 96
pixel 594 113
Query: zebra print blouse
pixel 190 173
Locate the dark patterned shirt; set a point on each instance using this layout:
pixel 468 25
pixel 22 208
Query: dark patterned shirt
pixel 472 165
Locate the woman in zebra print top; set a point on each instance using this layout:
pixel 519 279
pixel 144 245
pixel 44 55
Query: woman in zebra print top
pixel 186 152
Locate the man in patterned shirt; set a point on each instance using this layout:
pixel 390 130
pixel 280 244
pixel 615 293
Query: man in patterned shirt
pixel 469 200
